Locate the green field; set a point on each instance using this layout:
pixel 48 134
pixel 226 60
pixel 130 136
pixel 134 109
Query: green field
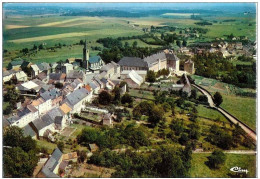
pixel 244 108
pixel 200 170
pixel 25 31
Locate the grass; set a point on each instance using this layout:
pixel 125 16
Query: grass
pixel 200 170
pixel 48 145
pixel 205 112
pixel 244 108
pixel 144 94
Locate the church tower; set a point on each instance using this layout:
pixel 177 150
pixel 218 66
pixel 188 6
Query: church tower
pixel 85 56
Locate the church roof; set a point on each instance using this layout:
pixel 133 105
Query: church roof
pixel 94 59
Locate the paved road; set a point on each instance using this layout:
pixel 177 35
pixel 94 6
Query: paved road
pixel 248 130
pixel 247 152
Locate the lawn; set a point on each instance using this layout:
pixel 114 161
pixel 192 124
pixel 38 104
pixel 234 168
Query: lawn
pixel 48 145
pixel 141 94
pixel 200 170
pixel 244 108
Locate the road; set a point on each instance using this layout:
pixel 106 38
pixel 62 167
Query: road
pixel 247 129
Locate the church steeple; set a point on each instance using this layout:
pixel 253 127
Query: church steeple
pixel 85 55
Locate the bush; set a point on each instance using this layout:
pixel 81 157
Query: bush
pixel 216 159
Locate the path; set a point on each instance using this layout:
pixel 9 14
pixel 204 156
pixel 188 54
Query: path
pixel 233 119
pixel 247 152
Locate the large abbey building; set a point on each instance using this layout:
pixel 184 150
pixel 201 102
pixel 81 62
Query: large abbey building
pixel 162 60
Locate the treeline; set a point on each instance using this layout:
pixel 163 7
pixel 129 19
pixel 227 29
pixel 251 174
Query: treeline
pixel 211 65
pixel 203 23
pixel 142 13
pixel 163 162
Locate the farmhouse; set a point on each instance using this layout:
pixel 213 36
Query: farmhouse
pixel 51 167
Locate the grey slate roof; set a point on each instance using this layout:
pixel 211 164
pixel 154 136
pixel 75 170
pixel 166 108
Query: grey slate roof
pixel 93 85
pixel 56 76
pixel 51 164
pixel 43 66
pixel 51 94
pixel 132 62
pixel 12 119
pixel 154 58
pixel 73 74
pixel 28 131
pixel 76 96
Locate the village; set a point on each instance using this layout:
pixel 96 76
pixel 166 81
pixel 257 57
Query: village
pixel 57 95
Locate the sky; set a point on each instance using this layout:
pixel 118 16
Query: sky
pixel 207 6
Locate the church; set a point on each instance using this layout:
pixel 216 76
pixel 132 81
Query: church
pixel 91 63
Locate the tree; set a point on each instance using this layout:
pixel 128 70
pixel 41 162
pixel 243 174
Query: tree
pixel 135 44
pixel 150 77
pixel 217 98
pixel 193 94
pixel 19 155
pixel 117 95
pixel 126 99
pixel 216 159
pixel 178 43
pixel 104 98
pixel 184 43
pixel 156 115
pixel 82 155
pixel 60 145
pixel 40 46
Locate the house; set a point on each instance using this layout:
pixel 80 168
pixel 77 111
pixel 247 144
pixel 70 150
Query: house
pixel 66 68
pixel 57 77
pixel 43 77
pixel 28 131
pixel 53 94
pixel 112 70
pixel 53 120
pixel 8 75
pixel 44 67
pixel 132 63
pixel 65 108
pixel 24 116
pixel 95 87
pixel 95 63
pixel 74 74
pixel 93 147
pixel 28 87
pixel 42 105
pixel 54 67
pixel 51 167
pixel 189 66
pixel 184 87
pixel 133 79
pixel 15 64
pixel 108 119
pixel 77 99
pixel 35 70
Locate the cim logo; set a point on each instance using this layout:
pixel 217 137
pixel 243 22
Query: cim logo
pixel 239 170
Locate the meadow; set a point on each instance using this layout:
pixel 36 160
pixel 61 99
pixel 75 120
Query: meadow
pixel 244 108
pixel 24 31
pixel 200 170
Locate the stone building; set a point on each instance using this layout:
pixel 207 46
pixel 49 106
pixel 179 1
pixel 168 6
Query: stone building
pixel 189 66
